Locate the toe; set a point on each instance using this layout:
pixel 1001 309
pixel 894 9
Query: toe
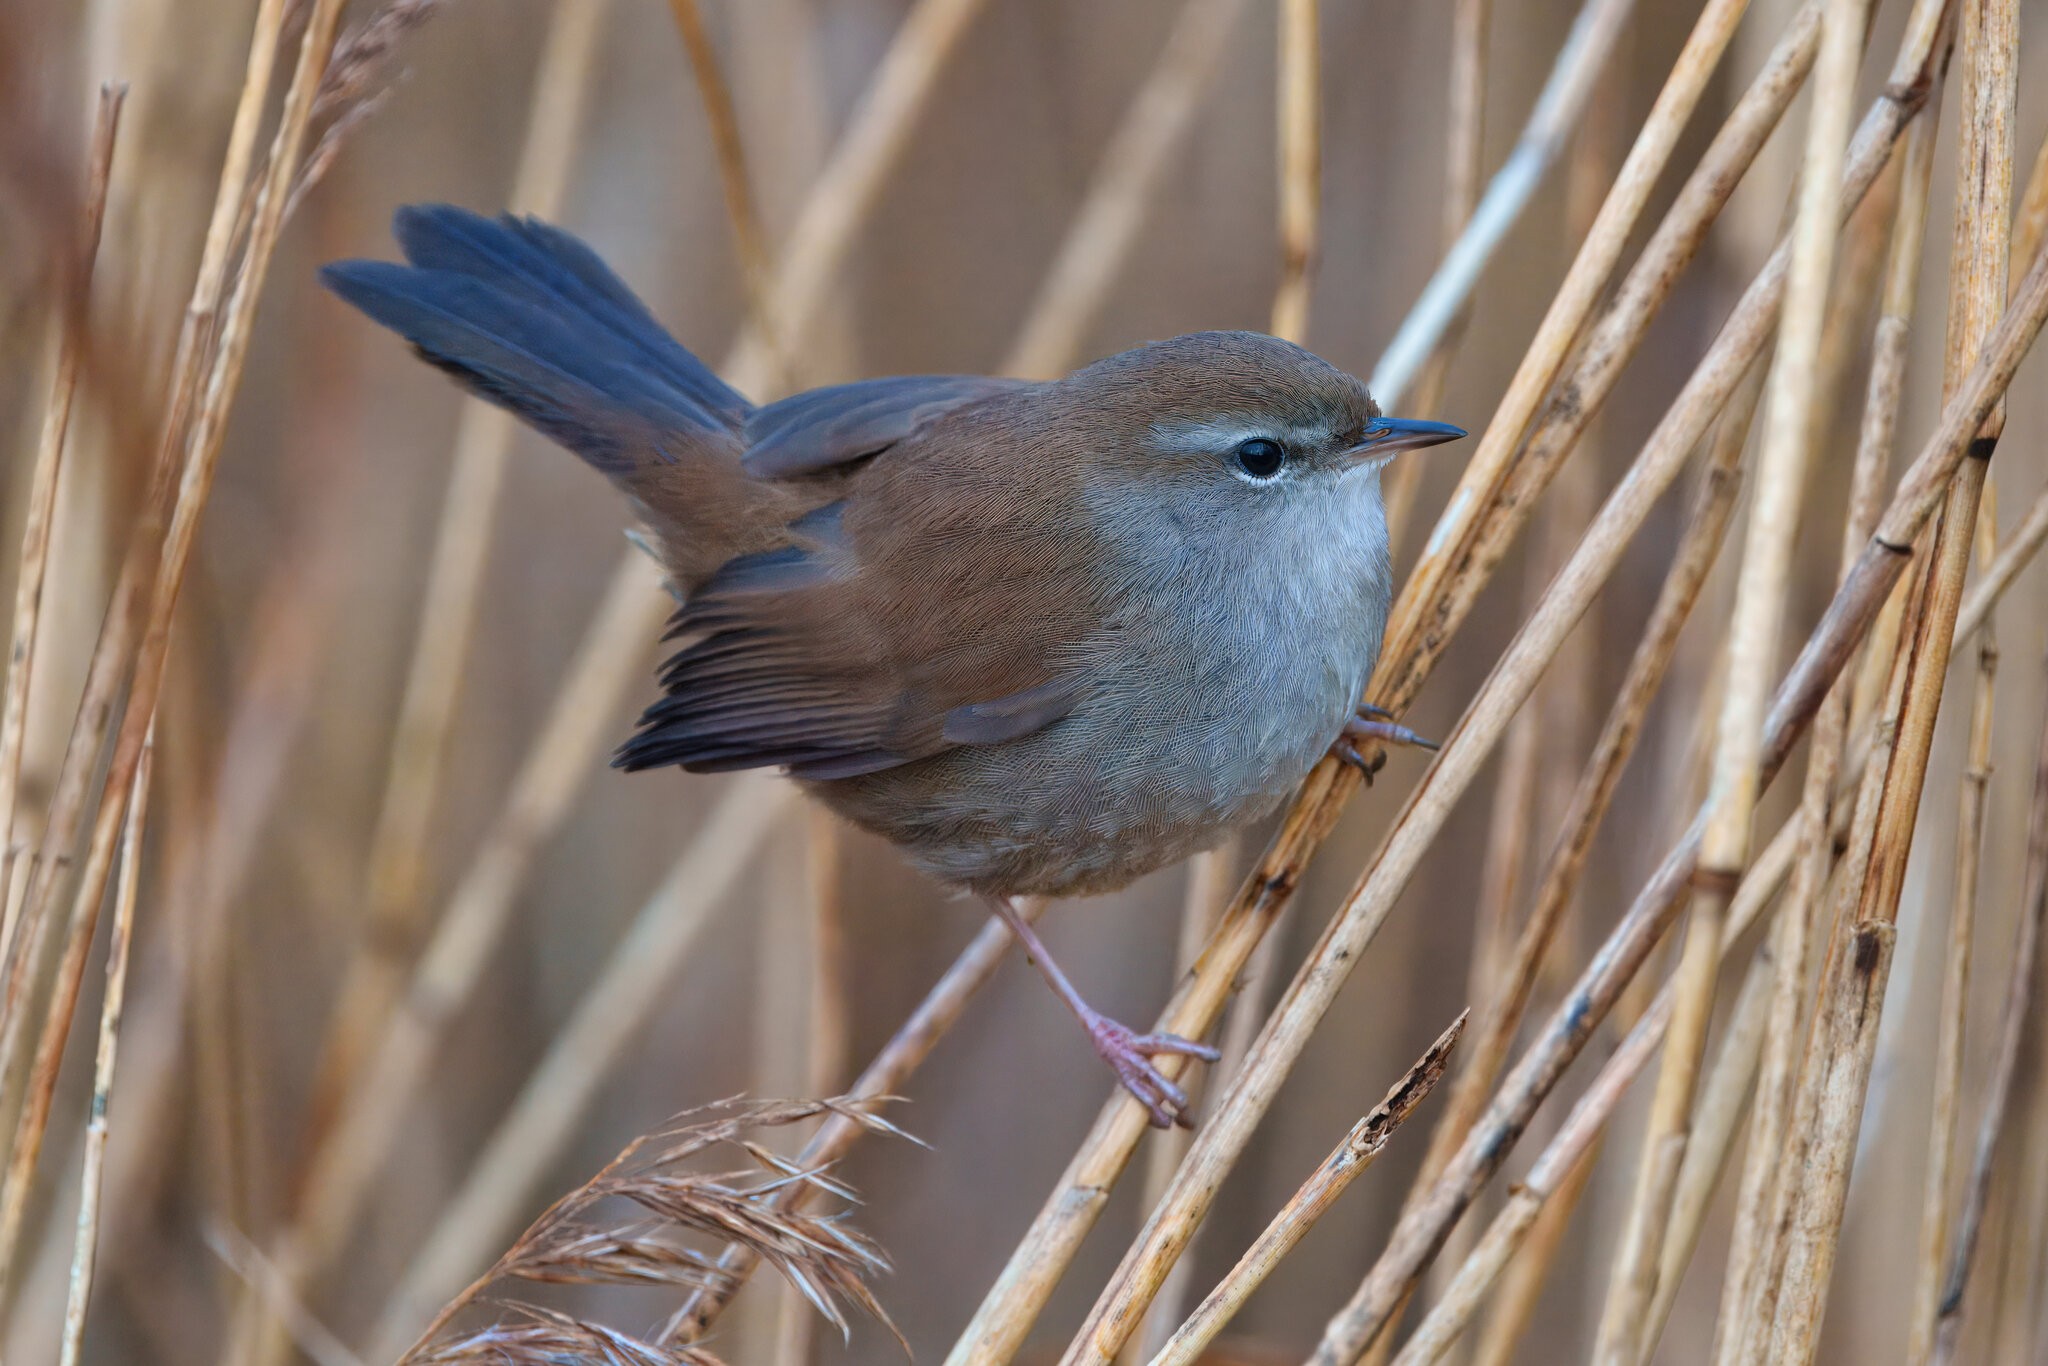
pixel 1174 1043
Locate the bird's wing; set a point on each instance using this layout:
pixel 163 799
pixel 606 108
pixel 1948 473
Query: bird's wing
pixel 842 423
pixel 886 628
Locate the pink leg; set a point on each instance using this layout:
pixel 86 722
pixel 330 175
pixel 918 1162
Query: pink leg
pixel 1128 1053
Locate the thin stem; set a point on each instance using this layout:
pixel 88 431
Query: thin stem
pixel 1572 78
pixel 71 331
pixel 1345 1164
pixel 85 1247
pixel 1127 177
pixel 749 238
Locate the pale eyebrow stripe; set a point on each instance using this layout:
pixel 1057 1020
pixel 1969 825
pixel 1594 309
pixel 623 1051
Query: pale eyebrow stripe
pixel 1221 434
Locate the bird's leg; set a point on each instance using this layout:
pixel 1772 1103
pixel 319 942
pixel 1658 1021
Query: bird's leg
pixel 1128 1053
pixel 1374 724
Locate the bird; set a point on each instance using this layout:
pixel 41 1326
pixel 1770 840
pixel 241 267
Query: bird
pixel 1043 636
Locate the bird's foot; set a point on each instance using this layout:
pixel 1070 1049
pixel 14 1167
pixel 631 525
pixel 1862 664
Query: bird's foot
pixel 1129 1055
pixel 1374 724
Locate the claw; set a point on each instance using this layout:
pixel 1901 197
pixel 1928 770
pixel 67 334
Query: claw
pixel 1353 756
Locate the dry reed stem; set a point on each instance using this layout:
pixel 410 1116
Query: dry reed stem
pixel 1785 448
pixel 536 1128
pixel 1845 1038
pixel 202 451
pixel 2017 553
pixel 1792 933
pixel 85 1245
pixel 1723 1101
pixel 1347 1161
pixel 845 193
pixel 749 238
pixel 403 828
pixel 2017 1014
pixel 113 653
pixel 1848 617
pixel 1126 180
pixel 1212 877
pixel 1553 1170
pixel 1586 50
pixel 1529 1269
pixel 1946 1100
pixel 900 1057
pixel 830 1044
pixel 1216 1149
pixel 71 326
pixel 1464 173
pixel 1301 166
pixel 1036 1265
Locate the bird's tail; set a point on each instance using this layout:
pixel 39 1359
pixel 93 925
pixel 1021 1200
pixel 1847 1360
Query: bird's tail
pixel 527 316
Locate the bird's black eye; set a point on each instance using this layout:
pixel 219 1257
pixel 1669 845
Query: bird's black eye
pixel 1260 458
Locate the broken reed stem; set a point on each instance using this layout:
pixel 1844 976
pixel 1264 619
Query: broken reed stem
pixel 1572 78
pixel 1845 1037
pixel 1567 1150
pixel 535 1131
pixel 2017 1016
pixel 1126 180
pixel 1783 455
pixel 85 1245
pixel 1222 1140
pixel 1345 1164
pixel 404 827
pixel 1849 616
pixel 1301 166
pixel 1464 173
pixel 1035 1266
pixel 202 452
pixel 742 216
pixel 70 331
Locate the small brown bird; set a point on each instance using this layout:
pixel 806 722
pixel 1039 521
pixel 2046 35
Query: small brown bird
pixel 1046 637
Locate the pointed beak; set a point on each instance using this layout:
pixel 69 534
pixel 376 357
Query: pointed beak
pixel 1387 435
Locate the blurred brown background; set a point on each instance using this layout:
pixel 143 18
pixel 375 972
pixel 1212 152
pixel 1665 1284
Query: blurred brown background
pixel 298 622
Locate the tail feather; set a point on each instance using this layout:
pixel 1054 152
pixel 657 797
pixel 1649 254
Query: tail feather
pixel 528 317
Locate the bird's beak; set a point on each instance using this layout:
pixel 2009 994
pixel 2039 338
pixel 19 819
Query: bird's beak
pixel 1384 436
